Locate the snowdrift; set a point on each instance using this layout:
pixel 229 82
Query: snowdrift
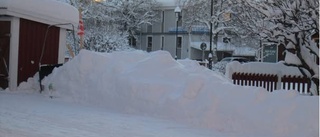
pixel 154 84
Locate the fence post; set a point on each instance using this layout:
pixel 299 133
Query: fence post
pixel 279 74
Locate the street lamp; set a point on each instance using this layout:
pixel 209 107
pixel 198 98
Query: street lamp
pixel 177 12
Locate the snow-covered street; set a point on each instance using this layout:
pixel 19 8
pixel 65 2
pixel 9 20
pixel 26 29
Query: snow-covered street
pixel 34 115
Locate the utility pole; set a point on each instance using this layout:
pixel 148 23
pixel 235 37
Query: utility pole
pixel 210 50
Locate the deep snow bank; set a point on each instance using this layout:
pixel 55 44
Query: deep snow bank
pixel 157 85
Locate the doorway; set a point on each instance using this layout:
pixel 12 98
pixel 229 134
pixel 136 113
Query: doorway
pixel 4 53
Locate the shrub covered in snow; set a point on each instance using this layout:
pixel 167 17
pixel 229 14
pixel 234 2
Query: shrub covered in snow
pixel 220 66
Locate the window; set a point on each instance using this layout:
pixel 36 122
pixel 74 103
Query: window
pixel 149 28
pixel 179 40
pixel 132 42
pixel 162 21
pixel 162 16
pixel 149 44
pixel 162 42
pixel 178 47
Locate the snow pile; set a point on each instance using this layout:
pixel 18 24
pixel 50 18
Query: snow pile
pixel 156 85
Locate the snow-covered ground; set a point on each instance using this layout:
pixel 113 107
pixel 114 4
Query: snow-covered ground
pixel 30 115
pixel 150 94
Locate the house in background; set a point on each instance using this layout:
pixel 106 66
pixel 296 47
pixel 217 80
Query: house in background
pixel 168 34
pixel 33 32
pixel 162 35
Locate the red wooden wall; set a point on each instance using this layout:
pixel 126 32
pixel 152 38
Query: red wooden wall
pixel 4 52
pixel 32 35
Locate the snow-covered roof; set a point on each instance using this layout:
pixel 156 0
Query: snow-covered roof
pixel 44 11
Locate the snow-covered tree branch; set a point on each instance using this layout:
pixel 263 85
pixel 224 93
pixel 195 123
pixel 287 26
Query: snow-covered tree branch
pixel 293 24
pixel 226 19
pixel 132 14
pixel 109 25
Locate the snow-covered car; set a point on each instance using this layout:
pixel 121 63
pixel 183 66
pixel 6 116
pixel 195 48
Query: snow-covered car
pixel 221 65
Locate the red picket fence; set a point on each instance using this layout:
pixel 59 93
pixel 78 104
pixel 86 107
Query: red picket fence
pixel 300 83
pixel 272 82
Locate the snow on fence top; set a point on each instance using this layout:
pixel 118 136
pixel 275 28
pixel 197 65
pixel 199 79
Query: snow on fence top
pixel 44 11
pixel 261 68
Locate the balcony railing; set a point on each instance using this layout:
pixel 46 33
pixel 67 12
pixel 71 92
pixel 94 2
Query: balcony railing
pixel 180 29
pixel 196 29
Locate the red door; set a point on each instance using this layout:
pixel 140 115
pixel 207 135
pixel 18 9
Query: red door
pixel 4 53
pixel 31 44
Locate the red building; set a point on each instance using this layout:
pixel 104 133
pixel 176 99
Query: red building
pixel 32 32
